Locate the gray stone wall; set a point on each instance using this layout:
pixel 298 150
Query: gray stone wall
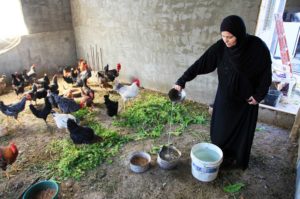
pixel 156 40
pixel 51 41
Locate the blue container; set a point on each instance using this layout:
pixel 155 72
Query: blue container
pixel 40 186
pixel 272 98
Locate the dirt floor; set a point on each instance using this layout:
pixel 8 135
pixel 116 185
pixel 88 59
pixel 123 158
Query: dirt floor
pixel 271 173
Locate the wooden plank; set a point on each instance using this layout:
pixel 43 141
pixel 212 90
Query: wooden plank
pixel 296 125
pixel 290 109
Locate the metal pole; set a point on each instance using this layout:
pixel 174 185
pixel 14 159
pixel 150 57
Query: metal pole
pixel 101 58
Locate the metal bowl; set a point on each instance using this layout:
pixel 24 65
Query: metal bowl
pixel 168 157
pixel 139 161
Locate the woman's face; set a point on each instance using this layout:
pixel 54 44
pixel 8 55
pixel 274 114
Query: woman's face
pixel 229 39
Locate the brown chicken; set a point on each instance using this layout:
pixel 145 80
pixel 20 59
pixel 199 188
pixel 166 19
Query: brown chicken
pixel 8 156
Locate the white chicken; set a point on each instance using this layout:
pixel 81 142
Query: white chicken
pixel 128 91
pixel 32 71
pixel 61 119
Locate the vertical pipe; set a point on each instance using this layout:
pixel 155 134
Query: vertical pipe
pixel 101 58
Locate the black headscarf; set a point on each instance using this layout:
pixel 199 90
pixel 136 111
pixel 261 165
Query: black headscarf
pixel 236 26
pixel 250 58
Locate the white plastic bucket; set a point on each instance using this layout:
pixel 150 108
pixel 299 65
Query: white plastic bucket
pixel 206 159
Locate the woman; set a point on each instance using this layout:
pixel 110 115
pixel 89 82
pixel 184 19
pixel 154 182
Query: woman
pixel 243 64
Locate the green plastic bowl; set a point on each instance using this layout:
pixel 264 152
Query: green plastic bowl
pixel 40 186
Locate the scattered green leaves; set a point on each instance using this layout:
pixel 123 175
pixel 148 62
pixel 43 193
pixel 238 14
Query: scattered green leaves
pixel 233 188
pixel 74 160
pixel 154 150
pixel 150 114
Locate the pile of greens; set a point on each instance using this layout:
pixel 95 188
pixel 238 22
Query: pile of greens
pixel 151 113
pixel 71 160
pixel 148 116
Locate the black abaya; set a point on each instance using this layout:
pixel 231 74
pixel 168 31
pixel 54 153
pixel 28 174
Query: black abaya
pixel 234 120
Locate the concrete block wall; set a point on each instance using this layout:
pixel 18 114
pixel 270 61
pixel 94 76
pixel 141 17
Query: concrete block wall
pixel 156 40
pixel 50 43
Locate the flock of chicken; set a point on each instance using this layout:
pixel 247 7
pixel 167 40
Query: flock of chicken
pixel 64 104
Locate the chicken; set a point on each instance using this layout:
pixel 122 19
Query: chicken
pixel 54 85
pixel 42 113
pixel 32 72
pixel 66 105
pixel 70 77
pixel 82 77
pixel 128 91
pixel 87 94
pixel 103 80
pixel 36 93
pixel 8 155
pixel 13 109
pixel 81 134
pixel 2 83
pixel 31 93
pixel 107 76
pixel 17 83
pixel 44 81
pixel 85 72
pixel 82 65
pixel 61 119
pixel 111 106
pixel 112 74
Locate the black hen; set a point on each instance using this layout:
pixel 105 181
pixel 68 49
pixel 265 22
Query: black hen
pixel 54 85
pixel 18 83
pixel 70 76
pixel 66 105
pixel 44 81
pixel 13 109
pixel 81 134
pixel 42 113
pixel 111 106
pixel 112 74
pixel 39 93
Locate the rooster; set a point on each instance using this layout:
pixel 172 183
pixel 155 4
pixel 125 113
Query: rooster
pixel 103 80
pixel 42 113
pixel 111 106
pixel 8 155
pixel 81 134
pixel 112 74
pixel 128 91
pixel 14 109
pixel 61 119
pixel 108 75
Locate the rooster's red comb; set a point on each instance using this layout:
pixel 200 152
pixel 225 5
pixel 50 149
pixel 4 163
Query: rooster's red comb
pixel 118 67
pixel 137 81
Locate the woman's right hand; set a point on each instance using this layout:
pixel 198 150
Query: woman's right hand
pixel 177 87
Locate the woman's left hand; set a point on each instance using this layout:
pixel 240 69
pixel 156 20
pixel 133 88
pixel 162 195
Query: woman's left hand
pixel 252 101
